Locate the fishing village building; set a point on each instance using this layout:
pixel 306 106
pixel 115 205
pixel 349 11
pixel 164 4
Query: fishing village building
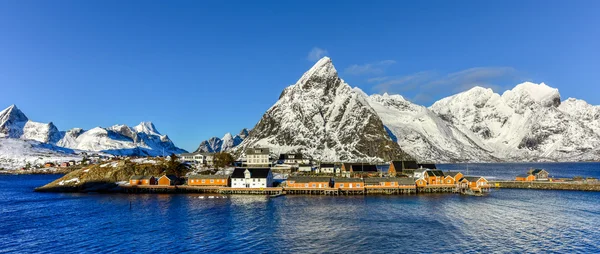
pixel 434 177
pixel 251 178
pixel 258 157
pixel 198 158
pixel 208 180
pixel 168 180
pixel 474 183
pixel 327 168
pixel 142 180
pixel 363 170
pixel 401 167
pixel 307 168
pixel 292 159
pixel 452 177
pixel 533 175
pixel 308 182
pixel 390 185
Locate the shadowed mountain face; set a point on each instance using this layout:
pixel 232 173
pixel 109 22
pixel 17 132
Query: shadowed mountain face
pixel 227 143
pixel 325 118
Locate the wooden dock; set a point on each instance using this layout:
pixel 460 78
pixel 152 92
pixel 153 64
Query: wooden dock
pixel 547 185
pixel 367 190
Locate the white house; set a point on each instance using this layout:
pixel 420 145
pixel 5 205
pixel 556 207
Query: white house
pixel 292 159
pixel 192 157
pixel 420 173
pixel 327 168
pixel 258 157
pixel 305 168
pixel 251 178
pixel 199 158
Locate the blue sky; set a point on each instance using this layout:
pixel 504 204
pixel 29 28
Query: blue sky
pixel 202 68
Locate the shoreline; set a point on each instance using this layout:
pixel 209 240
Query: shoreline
pixel 109 188
pixel 568 186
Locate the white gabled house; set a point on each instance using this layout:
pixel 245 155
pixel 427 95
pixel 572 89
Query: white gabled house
pixel 258 157
pixel 327 168
pixel 420 173
pixel 251 178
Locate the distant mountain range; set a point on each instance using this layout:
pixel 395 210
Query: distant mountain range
pixel 141 140
pixel 227 143
pixel 325 118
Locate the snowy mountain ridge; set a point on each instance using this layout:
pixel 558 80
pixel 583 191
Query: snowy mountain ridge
pixel 227 143
pixel 143 139
pixel 323 117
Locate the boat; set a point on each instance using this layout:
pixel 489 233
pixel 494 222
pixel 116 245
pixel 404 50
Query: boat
pixel 276 195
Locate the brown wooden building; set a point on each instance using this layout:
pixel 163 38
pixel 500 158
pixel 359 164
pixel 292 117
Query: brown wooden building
pixel 348 183
pixel 402 167
pixel 168 180
pixel 142 180
pixel 474 183
pixel 208 180
pixel 308 182
pixel 434 177
pixel 452 177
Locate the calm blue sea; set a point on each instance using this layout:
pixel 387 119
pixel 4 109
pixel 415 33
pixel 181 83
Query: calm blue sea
pixel 504 221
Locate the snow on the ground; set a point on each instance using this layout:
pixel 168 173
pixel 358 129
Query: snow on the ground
pixel 72 180
pixel 16 153
pixel 145 161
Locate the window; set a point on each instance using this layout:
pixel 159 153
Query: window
pixel 358 185
pixel 212 180
pixel 393 183
pixel 382 183
pixel 203 180
pixel 341 185
pixel 314 185
pixel 306 185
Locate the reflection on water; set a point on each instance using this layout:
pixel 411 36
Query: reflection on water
pixel 504 221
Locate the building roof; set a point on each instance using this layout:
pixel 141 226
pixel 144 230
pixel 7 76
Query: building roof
pixel 208 176
pixel 307 179
pixel 406 181
pixel 523 175
pixel 348 180
pixel 258 151
pixel 171 177
pixel 536 171
pixel 435 173
pixel 287 156
pixel 327 165
pixel 364 168
pixel 427 165
pixel 399 180
pixel 472 178
pixel 452 173
pixel 254 172
pixel 402 165
pixel 140 177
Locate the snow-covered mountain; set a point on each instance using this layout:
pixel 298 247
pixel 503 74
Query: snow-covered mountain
pixel 15 124
pixel 227 143
pixel 324 118
pixel 17 153
pixel 526 123
pixel 423 134
pixel 142 139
